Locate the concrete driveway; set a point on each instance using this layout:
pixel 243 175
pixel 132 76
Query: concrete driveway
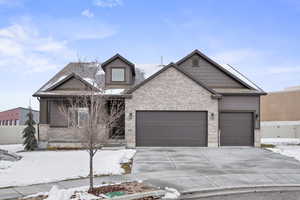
pixel 188 169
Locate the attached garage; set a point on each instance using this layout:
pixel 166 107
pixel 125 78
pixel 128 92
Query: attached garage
pixel 237 129
pixel 171 128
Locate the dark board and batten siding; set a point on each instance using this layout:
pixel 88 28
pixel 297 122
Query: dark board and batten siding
pixel 209 74
pixel 72 84
pixel 57 119
pixel 242 103
pixel 43 111
pixel 118 64
pixel 171 128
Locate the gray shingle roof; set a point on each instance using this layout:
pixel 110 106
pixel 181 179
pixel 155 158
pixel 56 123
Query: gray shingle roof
pixel 88 71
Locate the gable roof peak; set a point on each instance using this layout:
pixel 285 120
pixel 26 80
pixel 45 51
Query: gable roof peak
pixel 118 56
pixel 217 65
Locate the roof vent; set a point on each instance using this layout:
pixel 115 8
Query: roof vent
pixel 195 62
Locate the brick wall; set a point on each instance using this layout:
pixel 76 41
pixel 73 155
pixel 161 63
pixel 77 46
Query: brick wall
pixel 171 90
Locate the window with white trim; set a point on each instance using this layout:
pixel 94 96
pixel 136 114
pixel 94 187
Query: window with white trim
pixel 118 74
pixel 78 117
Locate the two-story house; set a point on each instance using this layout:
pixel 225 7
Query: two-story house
pixel 193 102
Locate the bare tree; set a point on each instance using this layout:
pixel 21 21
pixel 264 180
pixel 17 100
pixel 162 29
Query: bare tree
pixel 93 114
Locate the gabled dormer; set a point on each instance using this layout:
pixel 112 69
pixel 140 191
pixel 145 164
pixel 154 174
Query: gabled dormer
pixel 119 72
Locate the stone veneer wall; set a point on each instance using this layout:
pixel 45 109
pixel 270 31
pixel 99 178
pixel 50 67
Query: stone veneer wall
pixel 257 137
pixel 64 137
pixel 171 90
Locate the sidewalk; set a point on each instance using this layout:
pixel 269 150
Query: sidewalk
pixel 183 181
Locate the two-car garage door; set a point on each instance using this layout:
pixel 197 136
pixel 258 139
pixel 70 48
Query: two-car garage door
pixel 171 128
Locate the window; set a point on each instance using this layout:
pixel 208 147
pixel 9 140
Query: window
pixel 11 122
pixel 78 117
pixel 118 74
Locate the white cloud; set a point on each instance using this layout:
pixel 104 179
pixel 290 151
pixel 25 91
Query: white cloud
pixel 24 49
pixel 87 13
pixel 108 3
pixel 78 28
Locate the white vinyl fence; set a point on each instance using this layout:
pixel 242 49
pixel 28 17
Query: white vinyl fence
pixel 12 134
pixel 280 129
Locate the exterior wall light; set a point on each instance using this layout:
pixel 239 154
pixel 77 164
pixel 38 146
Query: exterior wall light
pixel 130 116
pixel 212 115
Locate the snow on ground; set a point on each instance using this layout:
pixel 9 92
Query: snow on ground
pixel 12 147
pixel 290 151
pixel 280 141
pixel 113 91
pixel 48 166
pixel 171 193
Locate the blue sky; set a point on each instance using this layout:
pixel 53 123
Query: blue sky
pixel 38 38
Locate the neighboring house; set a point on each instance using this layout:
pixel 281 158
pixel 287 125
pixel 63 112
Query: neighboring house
pixel 281 113
pixel 17 116
pixel 193 102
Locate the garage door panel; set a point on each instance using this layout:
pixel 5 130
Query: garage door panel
pixel 237 129
pixel 167 128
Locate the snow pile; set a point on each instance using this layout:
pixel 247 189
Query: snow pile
pixel 4 164
pixel 49 166
pixel 290 151
pixel 171 193
pixel 57 194
pixel 281 141
pixel 12 147
pixel 80 193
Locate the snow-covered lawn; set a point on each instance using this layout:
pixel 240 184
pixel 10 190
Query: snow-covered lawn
pixel 48 166
pixel 12 147
pixel 290 150
pixel 285 146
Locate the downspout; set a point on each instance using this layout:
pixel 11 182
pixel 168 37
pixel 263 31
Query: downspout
pixel 38 125
pixel 218 97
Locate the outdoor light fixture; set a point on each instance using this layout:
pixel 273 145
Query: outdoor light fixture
pixel 130 116
pixel 256 116
pixel 212 115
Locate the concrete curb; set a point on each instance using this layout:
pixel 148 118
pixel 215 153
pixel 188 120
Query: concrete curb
pixel 195 193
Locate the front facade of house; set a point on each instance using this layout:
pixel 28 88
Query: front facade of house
pixel 193 102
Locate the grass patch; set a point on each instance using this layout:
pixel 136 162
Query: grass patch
pixel 268 146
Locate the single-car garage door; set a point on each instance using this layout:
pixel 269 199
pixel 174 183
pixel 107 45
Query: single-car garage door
pixel 171 128
pixel 236 129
